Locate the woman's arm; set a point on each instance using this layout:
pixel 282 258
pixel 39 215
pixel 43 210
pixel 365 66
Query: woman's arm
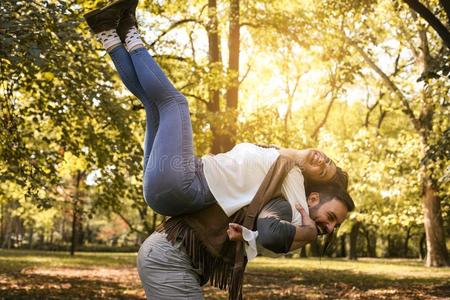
pixel 293 190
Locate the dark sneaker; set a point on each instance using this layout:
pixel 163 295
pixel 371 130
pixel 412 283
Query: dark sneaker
pixel 127 20
pixel 108 17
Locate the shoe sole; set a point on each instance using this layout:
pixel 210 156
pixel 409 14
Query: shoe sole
pixel 100 10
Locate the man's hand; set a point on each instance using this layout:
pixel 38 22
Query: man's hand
pixel 307 232
pixel 234 232
pixel 306 220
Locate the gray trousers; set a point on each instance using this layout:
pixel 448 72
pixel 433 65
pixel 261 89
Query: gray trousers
pixel 166 271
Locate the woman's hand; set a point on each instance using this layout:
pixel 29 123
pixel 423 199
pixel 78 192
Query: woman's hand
pixel 234 232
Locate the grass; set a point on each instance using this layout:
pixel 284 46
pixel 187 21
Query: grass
pixel 56 275
pixel 16 260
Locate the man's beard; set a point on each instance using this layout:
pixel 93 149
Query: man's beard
pixel 321 230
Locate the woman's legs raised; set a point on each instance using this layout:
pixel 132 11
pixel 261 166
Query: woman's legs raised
pixel 124 65
pixel 171 183
pixel 174 182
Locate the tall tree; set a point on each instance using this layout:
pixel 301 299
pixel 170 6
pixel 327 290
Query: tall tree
pixel 215 63
pixel 422 121
pixel 232 94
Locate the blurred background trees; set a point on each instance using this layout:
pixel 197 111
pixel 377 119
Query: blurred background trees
pixel 366 81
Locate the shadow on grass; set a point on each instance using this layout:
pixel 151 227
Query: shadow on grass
pixel 37 286
pixel 262 283
pixel 13 261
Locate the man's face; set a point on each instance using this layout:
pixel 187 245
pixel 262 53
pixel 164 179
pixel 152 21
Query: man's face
pixel 327 215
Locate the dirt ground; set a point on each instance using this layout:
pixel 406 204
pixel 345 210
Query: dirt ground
pixel 260 283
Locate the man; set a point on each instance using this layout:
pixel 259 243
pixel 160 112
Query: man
pixel 168 272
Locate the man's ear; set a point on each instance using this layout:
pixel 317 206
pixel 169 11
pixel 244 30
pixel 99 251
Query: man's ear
pixel 313 199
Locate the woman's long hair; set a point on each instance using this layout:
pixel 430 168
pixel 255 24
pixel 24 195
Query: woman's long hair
pixel 339 180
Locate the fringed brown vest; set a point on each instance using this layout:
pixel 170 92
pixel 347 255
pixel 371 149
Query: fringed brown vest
pixel 204 233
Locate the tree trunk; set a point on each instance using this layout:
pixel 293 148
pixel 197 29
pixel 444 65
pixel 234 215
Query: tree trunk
pixel 30 237
pixel 373 249
pixel 75 213
pixel 405 246
pixel 437 254
pixel 41 237
pixel 233 72
pixel 368 242
pixel 80 230
pixel 371 243
pixel 2 221
pixel 9 224
pixel 353 240
pixel 303 252
pixel 422 250
pixel 342 248
pixel 436 248
pixel 315 248
pixel 20 232
pixel 7 240
pixel 73 239
pixel 389 246
pixel 215 59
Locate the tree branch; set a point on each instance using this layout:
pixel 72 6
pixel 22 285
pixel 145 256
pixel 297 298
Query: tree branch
pixel 245 74
pixel 253 25
pixel 196 97
pixel 169 56
pixel 173 26
pixel 390 84
pixel 132 228
pixel 324 120
pixel 333 90
pixel 369 111
pixel 381 118
pixel 431 19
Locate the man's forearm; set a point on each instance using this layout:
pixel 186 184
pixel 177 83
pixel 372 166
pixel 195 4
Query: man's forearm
pixel 303 235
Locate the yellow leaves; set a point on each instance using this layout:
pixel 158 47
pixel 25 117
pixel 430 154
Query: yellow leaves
pixel 12 190
pixel 72 164
pixel 47 76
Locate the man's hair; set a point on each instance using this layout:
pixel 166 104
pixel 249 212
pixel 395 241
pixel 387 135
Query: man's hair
pixel 328 192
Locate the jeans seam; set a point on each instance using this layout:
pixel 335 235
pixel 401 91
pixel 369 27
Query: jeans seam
pixel 130 80
pixel 150 70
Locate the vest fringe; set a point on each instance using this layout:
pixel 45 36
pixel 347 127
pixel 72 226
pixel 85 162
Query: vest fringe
pixel 219 273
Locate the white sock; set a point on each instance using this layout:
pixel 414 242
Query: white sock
pixel 109 38
pixel 133 39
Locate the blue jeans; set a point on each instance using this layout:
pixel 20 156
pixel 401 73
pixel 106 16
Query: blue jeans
pixel 174 182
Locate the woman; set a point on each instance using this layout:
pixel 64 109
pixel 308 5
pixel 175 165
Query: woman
pixel 175 180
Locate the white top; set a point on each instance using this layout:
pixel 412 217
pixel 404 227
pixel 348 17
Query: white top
pixel 234 178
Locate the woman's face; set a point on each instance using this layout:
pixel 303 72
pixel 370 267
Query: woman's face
pixel 318 167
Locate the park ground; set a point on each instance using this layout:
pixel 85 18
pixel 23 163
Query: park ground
pixel 55 275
